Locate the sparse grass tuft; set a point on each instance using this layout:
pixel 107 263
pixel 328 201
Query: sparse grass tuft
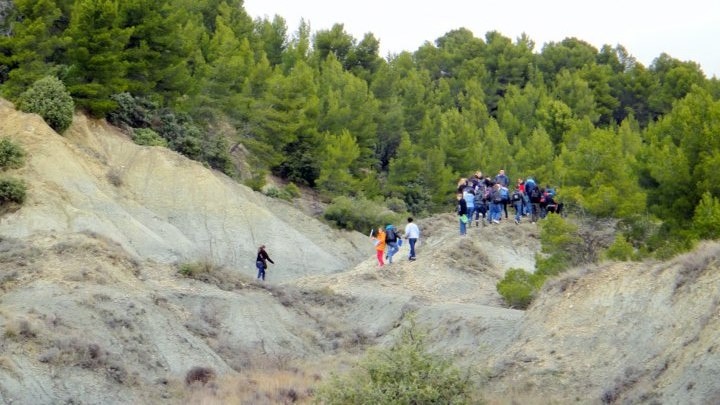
pixel 201 375
pixel 20 329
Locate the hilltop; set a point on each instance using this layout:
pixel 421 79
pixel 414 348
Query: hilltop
pixel 93 309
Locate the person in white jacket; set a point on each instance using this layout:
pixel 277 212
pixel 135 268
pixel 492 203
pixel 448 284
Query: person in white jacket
pixel 412 233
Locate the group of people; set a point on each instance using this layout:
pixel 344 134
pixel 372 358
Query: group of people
pixel 485 198
pixel 479 198
pixel 387 241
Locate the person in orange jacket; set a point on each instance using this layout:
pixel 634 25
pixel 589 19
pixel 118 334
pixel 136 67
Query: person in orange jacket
pixel 378 237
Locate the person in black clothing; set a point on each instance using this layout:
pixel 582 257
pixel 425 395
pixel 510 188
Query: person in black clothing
pixel 461 209
pixel 261 262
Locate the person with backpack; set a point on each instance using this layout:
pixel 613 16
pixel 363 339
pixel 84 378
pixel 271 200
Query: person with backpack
pixel 533 193
pixel 516 199
pixel 480 204
pixel 469 196
pixel 412 233
pixel 505 196
pixel 391 240
pixel 496 204
pixel 261 262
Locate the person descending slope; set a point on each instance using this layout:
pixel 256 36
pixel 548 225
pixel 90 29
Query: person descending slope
pixel 261 262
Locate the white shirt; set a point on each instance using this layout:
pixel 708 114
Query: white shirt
pixel 412 231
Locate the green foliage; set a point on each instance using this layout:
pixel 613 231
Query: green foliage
pixel 257 181
pixel 618 139
pixel 340 154
pixel 48 98
pixel 146 136
pixel 286 193
pixel 405 373
pixel 621 250
pixel 12 156
pixel 360 214
pixel 12 191
pixel 558 240
pixel 706 220
pixel 518 287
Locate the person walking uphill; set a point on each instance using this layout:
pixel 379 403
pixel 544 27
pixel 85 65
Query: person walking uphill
pixel 378 237
pixel 412 233
pixel 261 262
pixel 391 239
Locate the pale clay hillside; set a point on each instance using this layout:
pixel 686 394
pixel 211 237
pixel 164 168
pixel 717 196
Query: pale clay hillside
pixel 93 309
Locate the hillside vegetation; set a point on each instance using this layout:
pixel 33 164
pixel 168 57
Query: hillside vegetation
pixel 323 109
pixel 94 309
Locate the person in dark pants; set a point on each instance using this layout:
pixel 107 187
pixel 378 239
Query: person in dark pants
pixel 412 233
pixel 261 262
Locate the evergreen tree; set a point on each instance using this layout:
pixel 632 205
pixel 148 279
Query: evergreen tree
pixel 96 42
pixel 339 154
pixel 30 52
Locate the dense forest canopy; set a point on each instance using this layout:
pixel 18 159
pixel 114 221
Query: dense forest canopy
pixel 324 109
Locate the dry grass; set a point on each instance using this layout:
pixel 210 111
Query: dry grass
pixel 470 257
pixel 20 329
pixel 260 387
pixel 693 265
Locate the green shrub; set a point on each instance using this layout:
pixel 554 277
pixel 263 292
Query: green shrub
pixel 286 193
pixel 621 249
pixel 148 137
pixel 402 374
pixel 360 214
pixel 518 287
pixel 706 221
pixel 49 98
pixel 11 155
pixel 560 245
pixel 12 191
pixel 292 190
pixel 256 182
pixel 131 111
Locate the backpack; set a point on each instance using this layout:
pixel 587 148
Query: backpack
pixel 515 196
pixel 390 235
pixel 535 195
pixel 479 195
pixel 504 194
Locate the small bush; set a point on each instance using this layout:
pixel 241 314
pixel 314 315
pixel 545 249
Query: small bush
pixel 197 269
pixel 202 375
pixel 256 182
pixel 49 98
pixel 11 155
pixel 292 190
pixel 131 111
pixel 620 250
pixel 12 191
pixel 286 193
pixel 148 137
pixel 402 374
pixel 114 176
pixel 518 287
